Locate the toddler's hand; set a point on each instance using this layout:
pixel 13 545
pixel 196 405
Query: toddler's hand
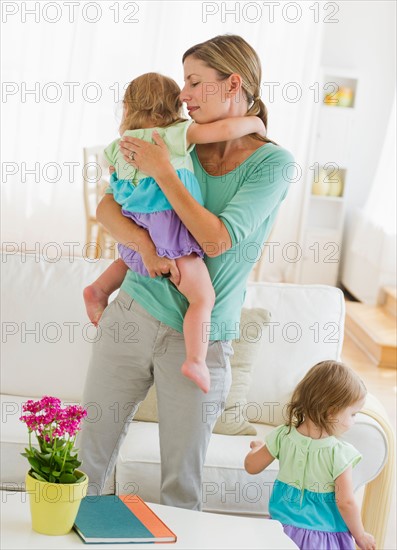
pixel 366 542
pixel 256 443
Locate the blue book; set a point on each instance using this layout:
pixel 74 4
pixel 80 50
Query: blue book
pixel 123 519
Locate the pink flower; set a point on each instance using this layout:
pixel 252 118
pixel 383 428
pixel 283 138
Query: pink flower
pixel 55 428
pixel 48 418
pixel 71 418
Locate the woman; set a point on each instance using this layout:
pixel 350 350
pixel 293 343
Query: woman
pixel 243 183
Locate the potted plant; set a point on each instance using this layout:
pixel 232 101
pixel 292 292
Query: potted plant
pixel 54 484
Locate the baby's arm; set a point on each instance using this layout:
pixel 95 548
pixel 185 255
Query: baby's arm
pixel 225 130
pixel 350 512
pixel 258 458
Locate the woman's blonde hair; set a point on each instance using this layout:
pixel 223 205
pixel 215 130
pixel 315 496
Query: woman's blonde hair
pixel 227 54
pixel 328 388
pixel 151 98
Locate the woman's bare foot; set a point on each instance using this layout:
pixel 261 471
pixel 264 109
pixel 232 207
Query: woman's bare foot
pixel 95 300
pixel 197 372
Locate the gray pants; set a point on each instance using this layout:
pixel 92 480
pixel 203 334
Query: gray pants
pixel 133 350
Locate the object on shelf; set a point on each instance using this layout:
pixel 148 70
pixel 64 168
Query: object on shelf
pixel 328 183
pixel 343 97
pixel 321 186
pixel 339 90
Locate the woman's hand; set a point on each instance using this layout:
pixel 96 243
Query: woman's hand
pixel 152 159
pixel 158 266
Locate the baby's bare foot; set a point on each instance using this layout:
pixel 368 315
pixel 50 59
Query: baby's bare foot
pixel 95 300
pixel 197 372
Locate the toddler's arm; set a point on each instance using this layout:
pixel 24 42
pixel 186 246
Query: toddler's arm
pixel 225 130
pixel 258 458
pixel 350 512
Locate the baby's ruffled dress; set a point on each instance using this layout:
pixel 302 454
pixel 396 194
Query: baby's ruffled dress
pixel 144 202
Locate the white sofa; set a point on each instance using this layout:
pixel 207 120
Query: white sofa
pixel 46 347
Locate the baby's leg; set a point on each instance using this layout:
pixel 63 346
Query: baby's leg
pixel 97 294
pixel 196 286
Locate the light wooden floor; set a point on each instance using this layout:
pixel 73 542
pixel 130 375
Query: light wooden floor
pixel 383 384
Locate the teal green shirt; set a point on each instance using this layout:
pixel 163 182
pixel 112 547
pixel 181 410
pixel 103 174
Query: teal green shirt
pixel 247 200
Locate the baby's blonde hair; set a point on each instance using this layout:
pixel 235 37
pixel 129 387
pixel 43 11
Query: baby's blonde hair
pixel 328 388
pixel 151 98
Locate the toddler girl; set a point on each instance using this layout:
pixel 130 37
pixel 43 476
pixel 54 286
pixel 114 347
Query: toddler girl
pixel 313 493
pixel 152 101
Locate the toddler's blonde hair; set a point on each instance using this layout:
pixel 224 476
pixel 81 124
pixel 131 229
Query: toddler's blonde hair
pixel 151 98
pixel 328 388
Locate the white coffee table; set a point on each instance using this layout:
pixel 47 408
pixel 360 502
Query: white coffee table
pixel 195 530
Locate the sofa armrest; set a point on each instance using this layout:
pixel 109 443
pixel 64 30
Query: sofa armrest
pixel 375 508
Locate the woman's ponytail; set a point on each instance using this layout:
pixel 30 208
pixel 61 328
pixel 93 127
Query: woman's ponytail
pixel 259 109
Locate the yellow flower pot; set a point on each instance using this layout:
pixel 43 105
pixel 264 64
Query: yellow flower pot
pixel 54 506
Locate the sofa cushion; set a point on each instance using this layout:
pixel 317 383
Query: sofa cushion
pixel 232 421
pixel 47 336
pixel 306 327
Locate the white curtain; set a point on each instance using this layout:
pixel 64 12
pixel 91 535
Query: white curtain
pixel 370 262
pixel 375 234
pixel 64 70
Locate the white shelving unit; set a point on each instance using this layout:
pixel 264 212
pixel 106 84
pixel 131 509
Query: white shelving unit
pixel 327 178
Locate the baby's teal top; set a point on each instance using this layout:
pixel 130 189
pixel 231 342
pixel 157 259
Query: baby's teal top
pixel 247 200
pixel 304 492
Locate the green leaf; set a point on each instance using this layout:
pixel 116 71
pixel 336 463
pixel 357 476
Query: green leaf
pixel 35 463
pixel 56 474
pixel 46 456
pixel 72 464
pixel 51 479
pixel 82 478
pixel 37 453
pixel 43 459
pixel 67 478
pixel 46 469
pixel 37 476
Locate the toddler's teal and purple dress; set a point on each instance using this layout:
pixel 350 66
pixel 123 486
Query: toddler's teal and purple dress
pixel 143 201
pixel 303 497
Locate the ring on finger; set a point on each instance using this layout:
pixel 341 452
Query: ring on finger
pixel 131 156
